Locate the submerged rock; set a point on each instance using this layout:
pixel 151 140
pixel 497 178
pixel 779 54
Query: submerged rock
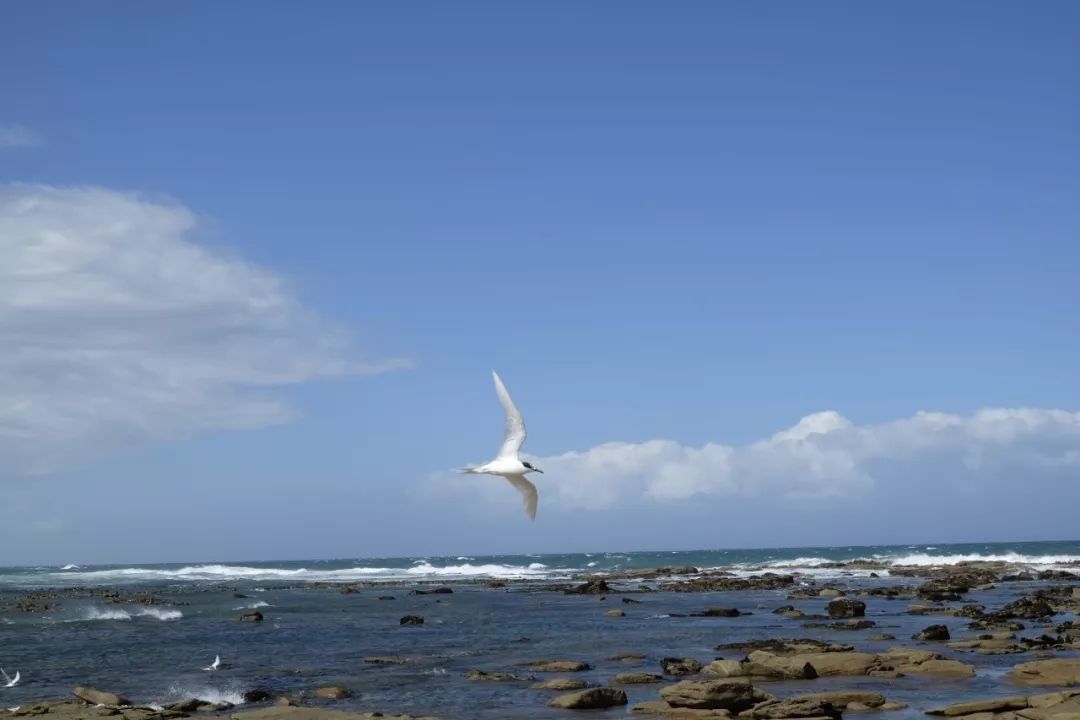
pixel 484 676
pixel 561 684
pixel 333 692
pixel 717 612
pixel 411 620
pixel 557 666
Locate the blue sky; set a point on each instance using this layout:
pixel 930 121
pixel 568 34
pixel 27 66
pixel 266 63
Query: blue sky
pixel 261 259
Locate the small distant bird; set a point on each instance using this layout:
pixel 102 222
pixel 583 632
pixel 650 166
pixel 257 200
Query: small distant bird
pixel 507 464
pixel 214 665
pixel 10 681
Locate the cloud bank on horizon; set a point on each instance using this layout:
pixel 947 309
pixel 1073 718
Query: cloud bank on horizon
pixel 118 329
pixel 823 457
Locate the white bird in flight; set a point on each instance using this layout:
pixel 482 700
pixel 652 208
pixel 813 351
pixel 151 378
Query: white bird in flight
pixel 10 681
pixel 507 464
pixel 214 665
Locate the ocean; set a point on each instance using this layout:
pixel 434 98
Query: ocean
pixel 313 634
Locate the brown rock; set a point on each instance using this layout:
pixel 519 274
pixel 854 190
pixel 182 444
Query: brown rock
pixel 839 663
pixel 637 678
pixel 659 707
pixel 615 613
pixel 333 692
pixel 793 708
pixel 680 666
pixel 733 695
pixel 591 699
pixel 1015 702
pixel 846 608
pixel 843 699
pixel 934 633
pixel 1060 671
pixel 764 666
pixel 98 697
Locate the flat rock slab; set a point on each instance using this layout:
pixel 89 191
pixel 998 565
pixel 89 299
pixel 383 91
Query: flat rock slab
pixel 1063 672
pixel 996 705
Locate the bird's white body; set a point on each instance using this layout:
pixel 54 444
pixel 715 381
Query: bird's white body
pixel 10 681
pixel 503 466
pixel 508 463
pixel 214 665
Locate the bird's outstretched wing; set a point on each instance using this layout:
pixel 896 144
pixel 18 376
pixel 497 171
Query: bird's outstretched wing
pixel 529 495
pixel 515 425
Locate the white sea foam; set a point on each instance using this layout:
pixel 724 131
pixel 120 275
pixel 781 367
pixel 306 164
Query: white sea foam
pixel 469 570
pixel 161 614
pixel 94 614
pixel 801 562
pixel 253 606
pixel 179 691
pixel 925 559
pixel 224 573
pixel 70 566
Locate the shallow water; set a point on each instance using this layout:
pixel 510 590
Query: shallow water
pixel 316 636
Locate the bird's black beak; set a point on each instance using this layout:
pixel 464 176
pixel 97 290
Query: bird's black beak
pixel 538 470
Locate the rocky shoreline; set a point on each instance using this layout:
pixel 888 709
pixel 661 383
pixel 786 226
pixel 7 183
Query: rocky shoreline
pixel 820 632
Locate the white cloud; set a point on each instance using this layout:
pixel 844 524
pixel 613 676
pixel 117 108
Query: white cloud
pixel 18 136
pixel 823 456
pixel 116 328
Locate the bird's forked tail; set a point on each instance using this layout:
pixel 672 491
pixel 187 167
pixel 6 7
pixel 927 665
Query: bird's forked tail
pixel 467 471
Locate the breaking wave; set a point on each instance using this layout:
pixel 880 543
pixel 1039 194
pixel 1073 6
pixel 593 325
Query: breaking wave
pixel 1013 558
pixel 161 614
pixel 94 614
pixel 178 692
pixel 225 573
pixel 253 606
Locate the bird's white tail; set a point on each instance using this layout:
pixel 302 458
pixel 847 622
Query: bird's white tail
pixel 467 471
